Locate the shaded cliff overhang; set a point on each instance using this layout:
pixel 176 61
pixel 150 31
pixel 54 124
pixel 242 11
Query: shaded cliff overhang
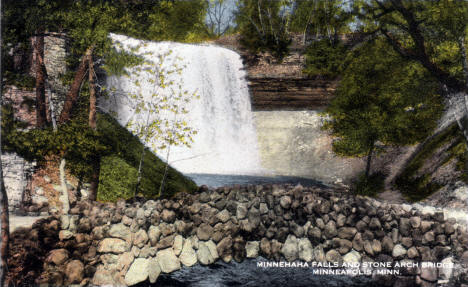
pixel 290 93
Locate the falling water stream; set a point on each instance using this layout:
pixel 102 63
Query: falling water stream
pixel 226 141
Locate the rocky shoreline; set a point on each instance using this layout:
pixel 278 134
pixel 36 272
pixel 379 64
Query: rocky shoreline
pixel 128 243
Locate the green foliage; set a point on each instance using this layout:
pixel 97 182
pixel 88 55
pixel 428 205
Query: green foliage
pixel 369 186
pixel 413 182
pixel 19 80
pixel 117 179
pixel 263 26
pixel 74 141
pixel 128 149
pixel 321 18
pixel 325 58
pixel 381 99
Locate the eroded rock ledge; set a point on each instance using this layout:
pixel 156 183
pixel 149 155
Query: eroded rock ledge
pixel 129 243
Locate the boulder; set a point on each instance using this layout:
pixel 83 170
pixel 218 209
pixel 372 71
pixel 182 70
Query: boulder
pixel 204 231
pixel 241 211
pixel 204 254
pixel 252 248
pixel 65 235
pixel 330 230
pixel 387 245
pixel 138 272
pixel 212 247
pixel 318 254
pixel 178 244
pixel 352 257
pixel 121 231
pixel 290 248
pixel 347 232
pixel 57 256
pixel 113 245
pixel 188 256
pixel 223 216
pixel 140 238
pixel 154 270
pixel 333 256
pixel 74 271
pixel 305 250
pixel 168 216
pixel 153 234
pixel 285 202
pixel 398 252
pixel 168 261
pixel 124 261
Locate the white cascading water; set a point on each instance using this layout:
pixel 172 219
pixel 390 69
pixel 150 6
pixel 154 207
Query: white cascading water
pixel 226 142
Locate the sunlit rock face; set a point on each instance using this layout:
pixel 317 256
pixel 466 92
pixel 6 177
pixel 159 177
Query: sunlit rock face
pixel 292 143
pixel 226 141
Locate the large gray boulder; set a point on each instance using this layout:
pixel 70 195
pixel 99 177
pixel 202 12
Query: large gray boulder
pixel 168 261
pixel 138 272
pixel 188 256
pixel 204 254
pixel 290 249
pixel 121 231
pixel 305 249
pixel 252 248
pixel 113 245
pixel 153 270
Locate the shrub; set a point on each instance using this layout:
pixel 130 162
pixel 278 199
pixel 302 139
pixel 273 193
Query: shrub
pixel 369 186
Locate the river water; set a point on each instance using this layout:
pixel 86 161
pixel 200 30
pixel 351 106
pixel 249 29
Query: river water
pixel 248 274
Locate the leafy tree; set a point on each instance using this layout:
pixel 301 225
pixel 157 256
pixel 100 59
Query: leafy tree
pixel 264 26
pixel 321 18
pixel 325 59
pixel 432 33
pixel 382 100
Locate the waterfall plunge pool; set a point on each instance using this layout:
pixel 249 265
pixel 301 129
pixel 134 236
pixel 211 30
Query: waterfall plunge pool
pixel 219 180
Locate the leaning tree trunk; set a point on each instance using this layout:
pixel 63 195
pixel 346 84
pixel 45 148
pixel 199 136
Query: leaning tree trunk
pixel 41 111
pixel 369 160
pixel 93 125
pixel 4 220
pixel 72 95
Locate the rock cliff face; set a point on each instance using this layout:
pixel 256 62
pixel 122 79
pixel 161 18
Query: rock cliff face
pixel 129 243
pixel 281 85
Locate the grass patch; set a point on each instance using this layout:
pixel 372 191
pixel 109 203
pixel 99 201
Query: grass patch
pixel 118 175
pixel 415 186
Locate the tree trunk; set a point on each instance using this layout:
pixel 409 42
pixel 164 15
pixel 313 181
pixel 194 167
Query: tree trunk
pixel 5 229
pixel 163 181
pixel 369 160
pixel 92 124
pixel 139 171
pixel 41 111
pixel 63 183
pixel 92 93
pixel 4 220
pixel 72 95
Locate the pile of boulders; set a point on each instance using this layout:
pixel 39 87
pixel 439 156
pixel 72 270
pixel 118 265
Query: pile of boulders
pixel 131 242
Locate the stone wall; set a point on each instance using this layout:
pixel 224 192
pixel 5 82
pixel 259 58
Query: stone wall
pixel 17 174
pixel 129 243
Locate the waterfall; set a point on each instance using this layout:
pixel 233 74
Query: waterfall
pixel 226 141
